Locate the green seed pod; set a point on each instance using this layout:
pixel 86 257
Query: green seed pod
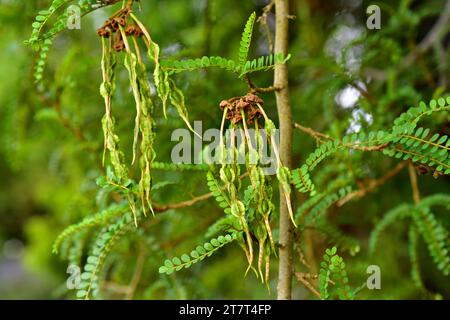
pixel 223 175
pixel 253 156
pixel 238 209
pixel 263 206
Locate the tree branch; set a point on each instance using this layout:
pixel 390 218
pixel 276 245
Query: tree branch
pixel 255 89
pixel 315 134
pixel 263 20
pixel 432 36
pixel 301 277
pixel 162 208
pixel 165 207
pixel 137 275
pixel 372 184
pixel 319 136
pixel 56 105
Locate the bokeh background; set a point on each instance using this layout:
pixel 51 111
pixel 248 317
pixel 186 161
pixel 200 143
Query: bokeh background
pixel 51 139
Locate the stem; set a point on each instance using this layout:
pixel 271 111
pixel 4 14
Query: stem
pixel 414 184
pixel 307 284
pixel 263 20
pixel 315 134
pixel 433 35
pixel 136 276
pixel 372 185
pixel 285 118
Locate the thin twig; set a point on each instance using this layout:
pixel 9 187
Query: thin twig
pixel 255 89
pixel 319 136
pixel 137 275
pixel 431 37
pixel 315 134
pixel 414 185
pixel 119 288
pixel 188 203
pixel 372 184
pixel 442 67
pixel 302 258
pixel 265 90
pixel 263 20
pixel 309 286
pixel 65 121
pixel 162 208
pixel 372 148
pixel 365 93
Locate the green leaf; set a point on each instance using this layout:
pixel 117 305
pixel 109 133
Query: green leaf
pixel 185 258
pixel 175 264
pixel 162 269
pixel 246 38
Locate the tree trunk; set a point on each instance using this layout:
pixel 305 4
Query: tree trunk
pixel 285 125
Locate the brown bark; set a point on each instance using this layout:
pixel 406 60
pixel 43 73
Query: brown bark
pixel 285 118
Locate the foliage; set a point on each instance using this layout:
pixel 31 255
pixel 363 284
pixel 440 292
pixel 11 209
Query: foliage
pixel 97 185
pixel 332 270
pixel 103 245
pixel 422 223
pixel 240 67
pixel 90 221
pixel 403 142
pixel 196 255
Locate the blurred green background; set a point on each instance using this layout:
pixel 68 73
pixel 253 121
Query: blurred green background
pixel 51 138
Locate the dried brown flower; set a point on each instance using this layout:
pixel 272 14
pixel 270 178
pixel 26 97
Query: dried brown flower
pixel 248 104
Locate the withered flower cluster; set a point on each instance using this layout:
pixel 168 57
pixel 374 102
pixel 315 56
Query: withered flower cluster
pixel 112 25
pixel 248 104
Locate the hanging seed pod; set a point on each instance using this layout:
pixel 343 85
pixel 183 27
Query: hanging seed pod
pixel 117 30
pixel 147 136
pixel 284 178
pixel 261 236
